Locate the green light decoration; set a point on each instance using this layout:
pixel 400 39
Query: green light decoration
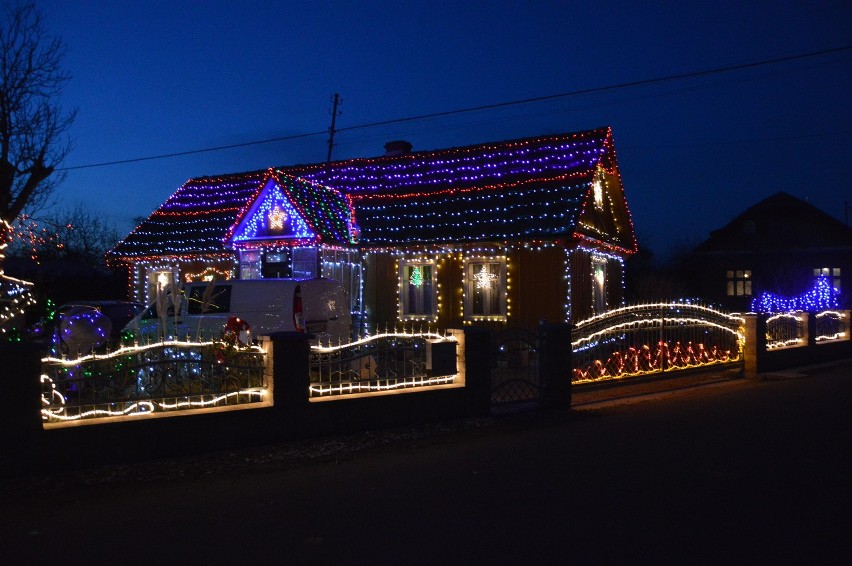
pixel 416 278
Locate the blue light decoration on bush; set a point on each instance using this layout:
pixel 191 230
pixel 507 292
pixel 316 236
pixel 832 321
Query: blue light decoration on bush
pixel 821 297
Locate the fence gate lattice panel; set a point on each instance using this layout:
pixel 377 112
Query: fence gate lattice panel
pixel 515 367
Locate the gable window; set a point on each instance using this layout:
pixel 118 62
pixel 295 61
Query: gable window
pixel 417 290
pixel 832 275
pixel 739 282
pixel 599 284
pixel 485 289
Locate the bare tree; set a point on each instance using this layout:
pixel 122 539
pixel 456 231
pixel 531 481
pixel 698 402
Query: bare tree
pixel 33 125
pixel 83 237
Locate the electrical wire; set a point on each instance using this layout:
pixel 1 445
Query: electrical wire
pixel 592 90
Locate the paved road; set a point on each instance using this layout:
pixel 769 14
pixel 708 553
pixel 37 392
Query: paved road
pixel 732 472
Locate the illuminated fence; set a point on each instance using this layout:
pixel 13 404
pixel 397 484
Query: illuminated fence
pixel 383 362
pixel 785 330
pixel 652 338
pixel 164 377
pixel 832 325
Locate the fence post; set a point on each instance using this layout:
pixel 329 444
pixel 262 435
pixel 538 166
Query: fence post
pixel 477 361
pixel 20 405
pixel 290 357
pixel 809 330
pixel 755 344
pixel 555 364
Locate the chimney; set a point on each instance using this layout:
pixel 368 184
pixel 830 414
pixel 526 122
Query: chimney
pixel 398 147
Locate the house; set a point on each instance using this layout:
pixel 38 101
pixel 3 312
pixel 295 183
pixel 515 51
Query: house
pixel 504 233
pixel 781 245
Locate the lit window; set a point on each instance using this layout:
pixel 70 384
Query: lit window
pixel 417 290
pixel 485 289
pixel 739 282
pixel 249 265
pixel 304 262
pixel 159 280
pixel 598 189
pixel 599 284
pixel 832 274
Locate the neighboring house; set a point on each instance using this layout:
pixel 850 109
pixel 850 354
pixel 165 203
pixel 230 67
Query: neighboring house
pixel 780 245
pixel 504 233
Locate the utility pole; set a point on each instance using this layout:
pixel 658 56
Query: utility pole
pixel 337 101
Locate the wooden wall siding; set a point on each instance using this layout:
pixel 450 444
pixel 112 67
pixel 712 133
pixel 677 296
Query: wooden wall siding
pixel 381 290
pixel 537 288
pixel 581 285
pixel 450 272
pixel 614 286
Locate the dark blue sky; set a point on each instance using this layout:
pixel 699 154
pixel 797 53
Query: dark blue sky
pixel 152 77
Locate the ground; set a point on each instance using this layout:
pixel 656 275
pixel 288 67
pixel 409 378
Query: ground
pixel 723 471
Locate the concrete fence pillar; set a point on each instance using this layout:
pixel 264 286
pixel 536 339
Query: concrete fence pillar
pixel 289 367
pixel 555 364
pixel 755 342
pixel 477 370
pixel 20 406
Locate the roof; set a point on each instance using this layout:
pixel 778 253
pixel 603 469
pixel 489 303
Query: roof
pixel 531 188
pixel 200 217
pixel 778 223
pixel 526 189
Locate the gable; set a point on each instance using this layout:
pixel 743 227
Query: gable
pixel 779 222
pixel 272 216
pixel 604 216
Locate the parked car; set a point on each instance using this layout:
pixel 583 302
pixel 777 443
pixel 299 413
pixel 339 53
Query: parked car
pixel 317 306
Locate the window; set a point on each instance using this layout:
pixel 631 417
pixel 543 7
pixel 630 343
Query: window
pixel 485 289
pixel 832 274
pixel 599 284
pixel 417 290
pixel 739 282
pixel 304 262
pixel 159 280
pixel 250 265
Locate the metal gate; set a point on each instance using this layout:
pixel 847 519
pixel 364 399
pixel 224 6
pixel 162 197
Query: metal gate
pixel 515 376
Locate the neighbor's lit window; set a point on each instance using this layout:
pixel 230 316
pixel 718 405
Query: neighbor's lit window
pixel 739 282
pixel 833 276
pixel 485 289
pixel 417 289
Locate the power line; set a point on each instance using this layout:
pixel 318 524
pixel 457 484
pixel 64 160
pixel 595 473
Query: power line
pixel 593 90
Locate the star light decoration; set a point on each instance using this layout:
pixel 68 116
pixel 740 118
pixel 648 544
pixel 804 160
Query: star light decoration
pixel 277 218
pixel 484 279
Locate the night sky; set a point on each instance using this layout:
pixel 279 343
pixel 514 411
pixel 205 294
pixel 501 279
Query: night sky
pixel 153 78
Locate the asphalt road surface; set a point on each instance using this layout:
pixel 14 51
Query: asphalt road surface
pixel 734 472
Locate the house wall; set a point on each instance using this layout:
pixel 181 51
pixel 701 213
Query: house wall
pixel 582 283
pixel 537 287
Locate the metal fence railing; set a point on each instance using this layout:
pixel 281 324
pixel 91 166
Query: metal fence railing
pixel 651 338
pixel 168 376
pixel 382 362
pixel 784 330
pixel 831 325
